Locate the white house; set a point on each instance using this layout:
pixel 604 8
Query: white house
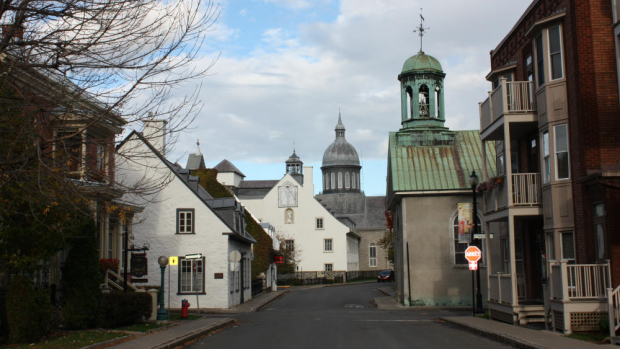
pixel 326 244
pixel 183 219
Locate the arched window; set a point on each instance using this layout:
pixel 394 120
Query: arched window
pixel 353 180
pixel 409 102
pixel 424 99
pixel 372 253
pixel 333 186
pixel 339 180
pixel 459 248
pixel 358 182
pixel 347 180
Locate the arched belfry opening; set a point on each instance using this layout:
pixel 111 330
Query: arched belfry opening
pixel 423 98
pixel 410 103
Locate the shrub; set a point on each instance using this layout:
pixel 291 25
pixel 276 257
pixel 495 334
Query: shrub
pixel 121 309
pixel 603 323
pixel 29 312
pixel 81 281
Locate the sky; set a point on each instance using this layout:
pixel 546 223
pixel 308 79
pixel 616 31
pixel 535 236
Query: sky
pixel 286 68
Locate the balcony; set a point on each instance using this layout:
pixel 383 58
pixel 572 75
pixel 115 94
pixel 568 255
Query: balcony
pixel 524 191
pixel 576 297
pixel 510 97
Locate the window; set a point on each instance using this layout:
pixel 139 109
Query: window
pixel 289 245
pixel 546 159
pixel 329 267
pixel 319 223
pixel 328 245
pixel 561 152
pixel 101 158
pixel 347 180
pixel 69 150
pixel 353 180
pixel 551 247
pixel 500 164
pixel 325 184
pixel 185 221
pixel 339 180
pixel 333 186
pixel 459 248
pixel 191 275
pixel 599 226
pixel 568 245
pixel 505 251
pixel 372 262
pixel 555 53
pixel 540 62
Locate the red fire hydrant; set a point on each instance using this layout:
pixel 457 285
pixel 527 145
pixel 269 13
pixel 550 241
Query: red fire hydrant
pixel 184 305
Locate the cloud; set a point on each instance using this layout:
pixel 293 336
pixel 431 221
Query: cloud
pixel 288 86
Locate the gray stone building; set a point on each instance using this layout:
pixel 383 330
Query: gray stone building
pixel 343 197
pixel 428 170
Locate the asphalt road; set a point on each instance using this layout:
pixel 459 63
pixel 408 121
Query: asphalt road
pixel 341 317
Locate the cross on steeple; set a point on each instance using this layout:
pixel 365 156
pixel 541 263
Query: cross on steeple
pixel 421 30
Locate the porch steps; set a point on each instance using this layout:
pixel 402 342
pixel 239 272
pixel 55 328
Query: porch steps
pixel 615 340
pixel 531 313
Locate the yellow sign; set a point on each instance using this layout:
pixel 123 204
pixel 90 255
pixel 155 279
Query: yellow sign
pixel 173 260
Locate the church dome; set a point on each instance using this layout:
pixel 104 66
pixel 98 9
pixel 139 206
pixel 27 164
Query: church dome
pixel 340 152
pixel 421 62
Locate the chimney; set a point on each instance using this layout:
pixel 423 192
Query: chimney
pixel 16 33
pixel 155 132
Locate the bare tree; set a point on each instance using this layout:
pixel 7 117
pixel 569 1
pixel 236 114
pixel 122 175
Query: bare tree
pixel 74 74
pixel 290 252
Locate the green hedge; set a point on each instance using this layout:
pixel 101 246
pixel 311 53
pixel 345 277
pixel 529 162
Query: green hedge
pixel 29 311
pixel 120 309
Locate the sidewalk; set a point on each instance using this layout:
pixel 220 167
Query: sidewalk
pixel 516 336
pixel 186 331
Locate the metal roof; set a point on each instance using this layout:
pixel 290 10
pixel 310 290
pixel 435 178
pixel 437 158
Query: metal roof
pixel 227 166
pixel 437 167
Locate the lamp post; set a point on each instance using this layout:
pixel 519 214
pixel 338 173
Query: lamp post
pixel 161 313
pixel 473 182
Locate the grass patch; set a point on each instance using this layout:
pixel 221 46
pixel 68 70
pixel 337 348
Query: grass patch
pixel 71 340
pixel 593 337
pixel 360 280
pixel 140 327
pixel 176 317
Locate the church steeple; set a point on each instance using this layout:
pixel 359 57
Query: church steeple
pixel 422 90
pixel 295 167
pixel 339 128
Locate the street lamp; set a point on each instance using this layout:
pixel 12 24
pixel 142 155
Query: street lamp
pixel 161 313
pixel 473 182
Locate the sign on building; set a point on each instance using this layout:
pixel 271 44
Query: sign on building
pixel 465 223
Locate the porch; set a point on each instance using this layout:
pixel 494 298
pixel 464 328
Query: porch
pixel 576 296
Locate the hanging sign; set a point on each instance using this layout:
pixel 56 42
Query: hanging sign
pixel 464 219
pixel 139 265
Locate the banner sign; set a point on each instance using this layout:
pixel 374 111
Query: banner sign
pixel 465 223
pixel 139 265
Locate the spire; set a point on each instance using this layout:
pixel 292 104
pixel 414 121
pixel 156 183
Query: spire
pixel 339 127
pixel 198 148
pixel 421 30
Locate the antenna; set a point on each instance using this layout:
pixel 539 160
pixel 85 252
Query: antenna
pixel 421 30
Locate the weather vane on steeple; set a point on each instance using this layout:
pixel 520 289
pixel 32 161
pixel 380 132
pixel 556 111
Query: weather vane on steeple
pixel 421 30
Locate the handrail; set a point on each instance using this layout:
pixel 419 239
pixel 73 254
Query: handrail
pixel 119 278
pixel 613 310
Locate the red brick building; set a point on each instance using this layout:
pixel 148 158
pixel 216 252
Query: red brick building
pixel 552 118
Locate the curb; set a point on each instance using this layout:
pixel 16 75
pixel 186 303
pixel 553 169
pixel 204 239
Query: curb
pixel 496 336
pixel 195 335
pixel 111 342
pixel 261 306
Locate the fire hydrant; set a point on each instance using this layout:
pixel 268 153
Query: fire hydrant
pixel 184 305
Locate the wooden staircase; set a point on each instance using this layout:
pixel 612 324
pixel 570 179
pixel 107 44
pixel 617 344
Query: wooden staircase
pixel 613 303
pixel 114 280
pixel 531 313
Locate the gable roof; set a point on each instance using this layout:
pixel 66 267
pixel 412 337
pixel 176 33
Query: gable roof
pixel 193 185
pixel 439 167
pixel 195 162
pixel 227 166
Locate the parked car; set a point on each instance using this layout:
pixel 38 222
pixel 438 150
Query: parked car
pixel 385 275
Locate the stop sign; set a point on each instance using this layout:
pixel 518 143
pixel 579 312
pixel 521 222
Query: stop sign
pixel 473 254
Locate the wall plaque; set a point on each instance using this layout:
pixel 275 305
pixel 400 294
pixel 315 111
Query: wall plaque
pixel 218 276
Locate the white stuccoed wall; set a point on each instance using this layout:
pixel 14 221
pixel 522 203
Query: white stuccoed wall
pixel 307 238
pixel 156 225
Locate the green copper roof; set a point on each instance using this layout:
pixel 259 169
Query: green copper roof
pixel 421 61
pixel 440 167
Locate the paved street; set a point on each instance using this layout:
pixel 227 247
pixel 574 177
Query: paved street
pixel 341 317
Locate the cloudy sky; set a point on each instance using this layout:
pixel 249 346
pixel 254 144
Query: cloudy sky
pixel 287 66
